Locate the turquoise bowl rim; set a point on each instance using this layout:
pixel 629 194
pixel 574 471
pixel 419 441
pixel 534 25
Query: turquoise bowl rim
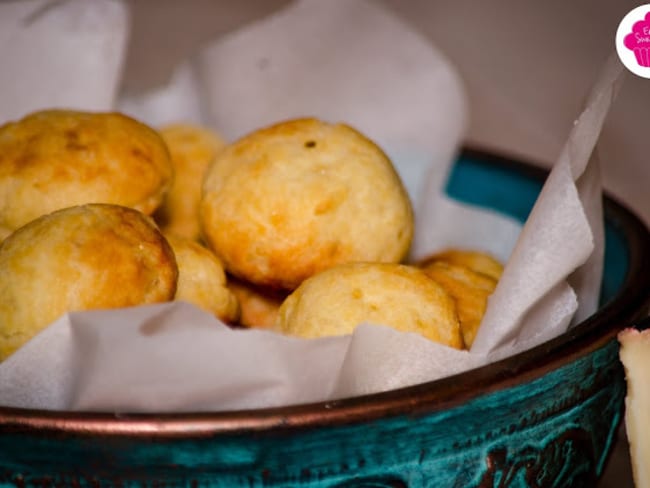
pixel 629 305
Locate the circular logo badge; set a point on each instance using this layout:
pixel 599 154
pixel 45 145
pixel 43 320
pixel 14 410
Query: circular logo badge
pixel 633 41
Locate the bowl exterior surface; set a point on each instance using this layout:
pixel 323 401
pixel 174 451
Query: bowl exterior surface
pixel 554 431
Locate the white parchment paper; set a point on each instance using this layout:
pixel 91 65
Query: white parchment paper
pixel 60 54
pixel 341 61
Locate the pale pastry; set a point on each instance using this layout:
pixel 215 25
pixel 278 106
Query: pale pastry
pixel 635 356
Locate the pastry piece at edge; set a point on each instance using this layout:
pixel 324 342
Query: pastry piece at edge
pixel 477 261
pixel 635 356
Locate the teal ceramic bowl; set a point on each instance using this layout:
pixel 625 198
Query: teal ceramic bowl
pixel 546 417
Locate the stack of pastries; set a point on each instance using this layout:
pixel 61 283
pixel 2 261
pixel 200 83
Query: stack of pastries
pixel 302 227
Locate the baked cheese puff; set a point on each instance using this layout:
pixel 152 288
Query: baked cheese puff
pixel 61 158
pixel 470 290
pixel 202 280
pixel 192 149
pixel 95 256
pixel 259 306
pixel 300 196
pixel 333 302
pixel 477 261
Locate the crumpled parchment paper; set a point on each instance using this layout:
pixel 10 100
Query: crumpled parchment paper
pixel 340 61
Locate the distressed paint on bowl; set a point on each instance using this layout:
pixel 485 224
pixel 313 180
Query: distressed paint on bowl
pixel 545 417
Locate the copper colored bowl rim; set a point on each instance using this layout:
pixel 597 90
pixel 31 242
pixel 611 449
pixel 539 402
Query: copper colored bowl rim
pixel 629 304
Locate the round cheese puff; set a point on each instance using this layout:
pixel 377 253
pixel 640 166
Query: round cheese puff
pixel 477 261
pixel 202 280
pixel 470 290
pixel 192 149
pixel 259 306
pixel 300 196
pixel 60 158
pixel 335 301
pixel 95 256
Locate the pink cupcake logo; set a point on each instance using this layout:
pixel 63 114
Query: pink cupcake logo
pixel 633 41
pixel 638 41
